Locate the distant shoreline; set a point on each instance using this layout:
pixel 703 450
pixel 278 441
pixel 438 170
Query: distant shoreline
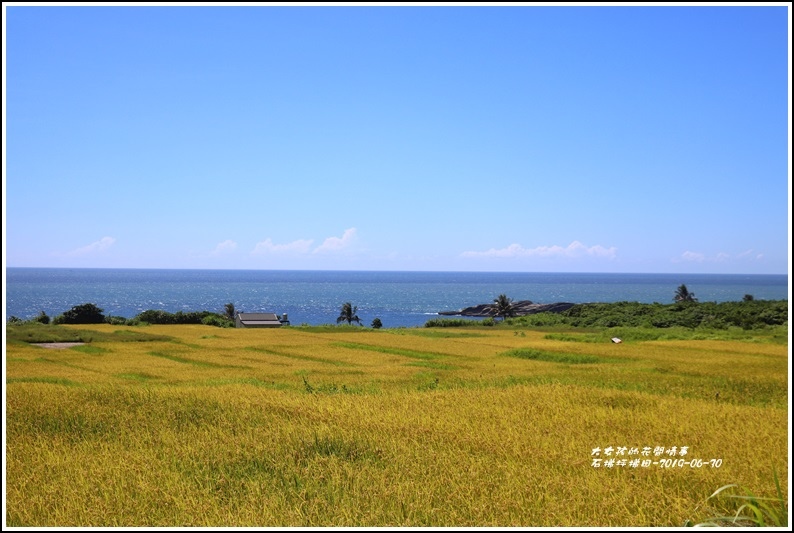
pixel 520 308
pixel 314 297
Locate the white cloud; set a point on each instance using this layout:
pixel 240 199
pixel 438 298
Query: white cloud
pixel 574 250
pixel 721 257
pixel 301 246
pixel 692 257
pixel 102 244
pixel 304 246
pixel 335 244
pixel 750 255
pixel 224 247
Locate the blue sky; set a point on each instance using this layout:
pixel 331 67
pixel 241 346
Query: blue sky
pixel 464 138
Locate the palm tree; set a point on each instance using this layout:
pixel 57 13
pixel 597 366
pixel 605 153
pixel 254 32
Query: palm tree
pixel 504 306
pixel 682 294
pixel 228 311
pixel 348 314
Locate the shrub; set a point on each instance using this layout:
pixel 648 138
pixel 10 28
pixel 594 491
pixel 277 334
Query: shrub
pixel 218 321
pixel 449 323
pixel 153 316
pixel 81 314
pixel 537 320
pixel 752 510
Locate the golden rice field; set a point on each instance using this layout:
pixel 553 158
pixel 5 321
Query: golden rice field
pixel 406 427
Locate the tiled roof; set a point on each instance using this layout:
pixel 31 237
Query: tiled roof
pixel 258 316
pixel 259 319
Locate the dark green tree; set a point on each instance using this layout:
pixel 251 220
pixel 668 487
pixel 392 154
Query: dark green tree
pixel 42 318
pixel 376 323
pixel 504 306
pixel 748 298
pixel 83 314
pixel 682 294
pixel 348 314
pixel 228 311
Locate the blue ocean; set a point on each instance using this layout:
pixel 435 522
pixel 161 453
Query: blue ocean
pixel 399 299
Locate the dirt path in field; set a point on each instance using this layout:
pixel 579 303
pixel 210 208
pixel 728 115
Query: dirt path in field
pixel 57 345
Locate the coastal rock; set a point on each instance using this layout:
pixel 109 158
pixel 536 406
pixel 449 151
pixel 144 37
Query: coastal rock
pixel 521 308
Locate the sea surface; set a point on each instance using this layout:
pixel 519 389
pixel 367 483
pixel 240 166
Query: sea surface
pixel 399 299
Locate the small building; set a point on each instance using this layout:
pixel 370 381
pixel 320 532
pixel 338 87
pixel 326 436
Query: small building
pixel 258 320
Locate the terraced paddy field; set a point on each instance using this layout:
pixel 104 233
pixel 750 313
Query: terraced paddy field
pixel 346 426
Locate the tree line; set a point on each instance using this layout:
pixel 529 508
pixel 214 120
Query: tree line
pixel 686 311
pixel 89 313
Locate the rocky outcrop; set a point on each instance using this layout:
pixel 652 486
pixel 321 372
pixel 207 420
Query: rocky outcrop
pixel 521 308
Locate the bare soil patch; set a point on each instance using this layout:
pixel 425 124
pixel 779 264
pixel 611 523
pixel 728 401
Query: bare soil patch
pixel 57 345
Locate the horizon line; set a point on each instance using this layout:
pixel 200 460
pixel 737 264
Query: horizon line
pixel 399 271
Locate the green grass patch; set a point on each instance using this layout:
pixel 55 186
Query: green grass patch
pixel 61 363
pixel 44 379
pixel 270 351
pixel 36 332
pixel 575 337
pixel 91 350
pixel 453 323
pixel 41 333
pixel 332 328
pixel 187 344
pixel 432 364
pixel 435 334
pixel 553 357
pixel 774 335
pixel 392 351
pixel 126 335
pixel 193 362
pixel 142 377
